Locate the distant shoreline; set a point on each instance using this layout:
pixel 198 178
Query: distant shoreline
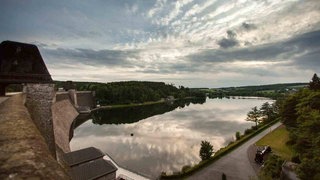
pixel 139 104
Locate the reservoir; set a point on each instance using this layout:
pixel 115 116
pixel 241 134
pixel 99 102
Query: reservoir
pixel 164 137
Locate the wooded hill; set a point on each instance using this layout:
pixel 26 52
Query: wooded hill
pixel 271 90
pixel 128 92
pixel 300 112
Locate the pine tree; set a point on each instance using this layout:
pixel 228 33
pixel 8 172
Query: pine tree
pixel 206 150
pixel 315 83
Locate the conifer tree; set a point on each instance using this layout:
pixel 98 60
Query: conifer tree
pixel 315 83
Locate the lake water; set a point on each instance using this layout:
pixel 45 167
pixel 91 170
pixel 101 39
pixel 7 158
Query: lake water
pixel 164 137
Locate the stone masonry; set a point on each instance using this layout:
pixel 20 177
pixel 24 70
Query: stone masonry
pixel 39 99
pixel 23 151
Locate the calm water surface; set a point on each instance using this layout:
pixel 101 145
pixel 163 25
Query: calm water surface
pixel 166 137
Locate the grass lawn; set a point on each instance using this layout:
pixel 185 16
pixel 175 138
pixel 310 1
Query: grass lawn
pixel 277 141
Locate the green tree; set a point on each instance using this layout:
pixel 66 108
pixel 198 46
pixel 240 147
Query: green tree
pixel 271 168
pixel 315 83
pixel 238 135
pixel 266 111
pixel 300 113
pixel 206 150
pixel 254 115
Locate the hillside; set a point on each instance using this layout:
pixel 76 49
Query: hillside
pixel 271 90
pixel 128 92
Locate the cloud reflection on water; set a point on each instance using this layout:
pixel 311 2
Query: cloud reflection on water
pixel 168 141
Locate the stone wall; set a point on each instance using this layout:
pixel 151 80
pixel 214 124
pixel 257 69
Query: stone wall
pixel 23 151
pixel 63 114
pixel 86 98
pixel 39 99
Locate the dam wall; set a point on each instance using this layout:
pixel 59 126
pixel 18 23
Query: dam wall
pixel 63 115
pixel 39 99
pixel 24 153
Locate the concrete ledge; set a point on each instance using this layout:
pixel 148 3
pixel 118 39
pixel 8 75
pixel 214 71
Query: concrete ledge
pixel 23 151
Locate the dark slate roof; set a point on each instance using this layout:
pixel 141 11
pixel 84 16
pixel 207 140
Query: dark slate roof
pixel 92 170
pixel 22 63
pixel 82 156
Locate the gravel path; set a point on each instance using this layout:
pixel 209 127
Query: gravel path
pixel 236 165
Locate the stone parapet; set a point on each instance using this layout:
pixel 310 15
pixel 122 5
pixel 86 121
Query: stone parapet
pixel 39 99
pixel 23 151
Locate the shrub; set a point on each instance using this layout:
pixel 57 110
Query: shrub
pixel 296 159
pixel 185 168
pixel 238 136
pixel 231 142
pixel 224 177
pixel 272 167
pixel 248 131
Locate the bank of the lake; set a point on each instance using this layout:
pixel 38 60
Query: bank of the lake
pixel 143 104
pixel 164 137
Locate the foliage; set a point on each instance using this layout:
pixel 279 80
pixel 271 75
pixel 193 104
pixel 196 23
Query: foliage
pixel 248 131
pixel 274 91
pixel 315 83
pixel 254 115
pixel 301 114
pixel 272 168
pixel 238 136
pixel 185 168
pixel 269 111
pixel 223 176
pixel 128 92
pixel 206 150
pixel 309 168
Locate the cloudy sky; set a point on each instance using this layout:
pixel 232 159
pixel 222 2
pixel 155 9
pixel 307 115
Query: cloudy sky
pixel 195 43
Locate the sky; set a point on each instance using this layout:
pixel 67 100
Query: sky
pixel 194 43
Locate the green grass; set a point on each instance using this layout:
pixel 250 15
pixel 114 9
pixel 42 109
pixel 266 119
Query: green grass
pixel 277 141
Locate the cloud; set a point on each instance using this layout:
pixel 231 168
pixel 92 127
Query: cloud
pixel 248 26
pixel 92 57
pixel 230 41
pixel 279 51
pixel 194 42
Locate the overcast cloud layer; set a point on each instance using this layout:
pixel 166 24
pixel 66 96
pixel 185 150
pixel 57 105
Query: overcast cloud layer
pixel 194 43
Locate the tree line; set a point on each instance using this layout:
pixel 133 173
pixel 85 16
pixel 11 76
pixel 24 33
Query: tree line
pixel 273 91
pixel 265 114
pixel 128 92
pixel 300 112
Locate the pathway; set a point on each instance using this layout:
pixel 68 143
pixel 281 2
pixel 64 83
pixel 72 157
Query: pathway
pixel 236 165
pixel 3 98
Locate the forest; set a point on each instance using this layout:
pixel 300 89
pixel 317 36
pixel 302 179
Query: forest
pixel 128 92
pixel 273 91
pixel 300 112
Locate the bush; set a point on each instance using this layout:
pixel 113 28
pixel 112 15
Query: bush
pixel 223 177
pixel 185 168
pixel 272 168
pixel 238 136
pixel 296 159
pixel 206 150
pixel 248 131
